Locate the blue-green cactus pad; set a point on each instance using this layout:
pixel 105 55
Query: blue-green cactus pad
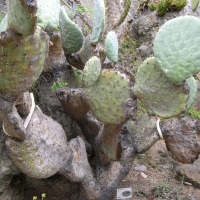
pixel 193 91
pixel 48 14
pixel 91 71
pixel 177 48
pixel 4 24
pixel 111 46
pixel 72 36
pixel 98 22
pixel 162 97
pixel 22 16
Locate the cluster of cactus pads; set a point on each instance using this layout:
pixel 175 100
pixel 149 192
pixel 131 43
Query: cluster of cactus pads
pixel 165 83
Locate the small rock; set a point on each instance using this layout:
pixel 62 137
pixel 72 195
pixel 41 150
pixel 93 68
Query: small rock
pixel 141 168
pixel 143 175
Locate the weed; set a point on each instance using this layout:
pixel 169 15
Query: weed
pixel 193 113
pixel 34 197
pixel 1 16
pixel 162 7
pixel 43 196
pixel 180 4
pixel 152 6
pixel 57 85
pixel 167 190
pixel 83 10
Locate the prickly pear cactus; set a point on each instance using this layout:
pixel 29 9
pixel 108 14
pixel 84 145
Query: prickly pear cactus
pixel 195 4
pixel 72 37
pixel 22 16
pixel 110 98
pixel 193 91
pixel 111 46
pixel 48 14
pixel 22 60
pixel 4 24
pixel 177 48
pixel 162 97
pixel 43 151
pixel 86 50
pixel 91 71
pixel 98 22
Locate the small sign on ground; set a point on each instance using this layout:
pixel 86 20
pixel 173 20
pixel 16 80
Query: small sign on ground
pixel 124 193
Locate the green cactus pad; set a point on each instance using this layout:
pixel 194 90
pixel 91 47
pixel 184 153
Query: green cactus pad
pixel 22 16
pixel 44 150
pixel 86 51
pixel 91 71
pixel 72 36
pixel 193 91
pixel 22 60
pixel 108 97
pixel 143 132
pixel 177 48
pixel 98 22
pixel 4 24
pixel 48 14
pixel 163 98
pixel 111 46
pixel 195 4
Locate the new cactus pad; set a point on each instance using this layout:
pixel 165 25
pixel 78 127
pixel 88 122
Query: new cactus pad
pixel 193 91
pixel 4 24
pixel 111 46
pixel 22 60
pixel 72 37
pixel 161 96
pixel 177 48
pixel 22 16
pixel 110 98
pixel 195 4
pixel 86 50
pixel 91 71
pixel 48 14
pixel 98 22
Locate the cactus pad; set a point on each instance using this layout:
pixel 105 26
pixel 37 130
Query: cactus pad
pixel 193 91
pixel 111 46
pixel 195 4
pixel 48 14
pixel 22 16
pixel 143 132
pixel 22 60
pixel 43 152
pixel 98 22
pixel 4 24
pixel 110 97
pixel 72 36
pixel 177 48
pixel 163 98
pixel 86 51
pixel 91 71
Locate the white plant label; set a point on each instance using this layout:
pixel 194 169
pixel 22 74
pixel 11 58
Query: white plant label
pixel 124 193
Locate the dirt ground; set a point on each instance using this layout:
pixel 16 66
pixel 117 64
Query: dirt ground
pixel 158 185
pixel 155 185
